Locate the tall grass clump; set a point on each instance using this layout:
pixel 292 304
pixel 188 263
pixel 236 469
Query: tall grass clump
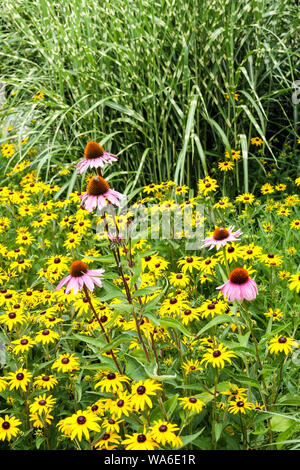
pixel 170 86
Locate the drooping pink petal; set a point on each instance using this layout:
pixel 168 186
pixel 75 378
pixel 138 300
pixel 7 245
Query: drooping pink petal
pixel 88 282
pixel 63 282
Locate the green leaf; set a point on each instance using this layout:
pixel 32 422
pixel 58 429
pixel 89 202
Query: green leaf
pixel 215 321
pixel 187 439
pixel 169 322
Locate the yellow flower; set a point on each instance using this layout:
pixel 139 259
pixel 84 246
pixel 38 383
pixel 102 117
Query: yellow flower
pixel 112 382
pixel 9 427
pixel 257 141
pixel 192 404
pixel 66 363
pixel 141 392
pixel 217 356
pixel 139 441
pixel 163 433
pixel 281 344
pixel 81 423
pixel 19 379
pixel 240 405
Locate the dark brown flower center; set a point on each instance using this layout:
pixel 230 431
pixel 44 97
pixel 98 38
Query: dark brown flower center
pixel 120 403
pixel 239 276
pixel 217 353
pixel 20 376
pixel 111 376
pixel 45 378
pixel 220 233
pixel 81 419
pixel 193 400
pixel 163 428
pixel 93 150
pixel 141 438
pixel 78 268
pixel 141 390
pixel 240 404
pixel 97 186
pixel 42 402
pixel 282 340
pixel 5 425
pixel 24 341
pixel 65 360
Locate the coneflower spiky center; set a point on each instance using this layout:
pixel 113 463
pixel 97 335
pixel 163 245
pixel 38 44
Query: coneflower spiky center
pixel 93 150
pixel 239 276
pixel 97 186
pixel 78 268
pixel 220 233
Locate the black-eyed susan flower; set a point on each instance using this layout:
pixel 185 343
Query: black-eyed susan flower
pixel 12 317
pixel 223 203
pixel 295 224
pixel 3 384
pixel 271 259
pixel 276 314
pixel 107 441
pixel 164 433
pixel 192 404
pixel 139 441
pixel 141 392
pixel 112 382
pixel 41 420
pixel 66 363
pixel 217 356
pixel 235 393
pixel 257 141
pixel 44 381
pixel 23 344
pixel 212 307
pixel 189 263
pixel 42 404
pixel 189 314
pixel 235 154
pixel 19 379
pixel 21 265
pixel 231 253
pixel 207 185
pixel 240 406
pixel 46 336
pixel 9 427
pixel 81 423
pixel 191 366
pixel 226 166
pixel 179 279
pixel 281 344
pixel 294 282
pixel 111 424
pixel 246 198
pixel 267 188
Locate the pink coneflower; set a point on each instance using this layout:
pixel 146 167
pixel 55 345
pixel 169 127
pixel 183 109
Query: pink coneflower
pixel 95 157
pixel 239 286
pixel 98 194
pixel 81 276
pixel 220 237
